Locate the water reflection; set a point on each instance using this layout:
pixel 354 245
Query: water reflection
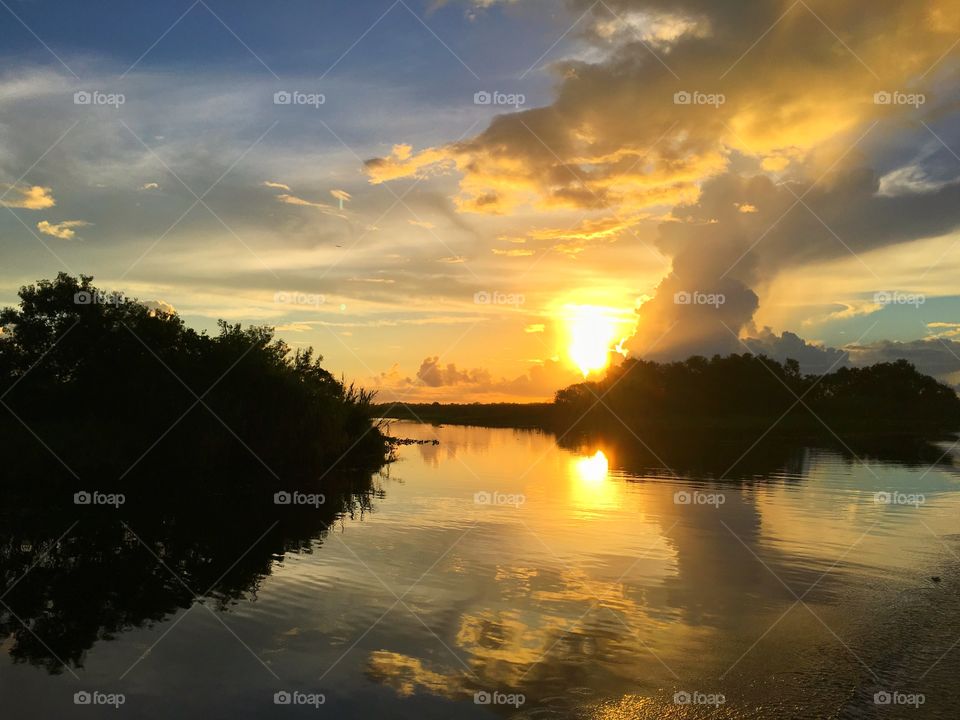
pixel 592 470
pixel 77 576
pixel 616 583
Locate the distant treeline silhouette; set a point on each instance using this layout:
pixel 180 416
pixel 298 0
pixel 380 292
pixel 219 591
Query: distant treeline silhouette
pixel 515 415
pixel 746 391
pixel 736 392
pixel 102 384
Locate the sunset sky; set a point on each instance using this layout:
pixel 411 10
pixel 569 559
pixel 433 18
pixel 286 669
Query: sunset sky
pixel 475 200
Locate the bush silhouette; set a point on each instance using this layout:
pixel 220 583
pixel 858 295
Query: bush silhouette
pixel 111 386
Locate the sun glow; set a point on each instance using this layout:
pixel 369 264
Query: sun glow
pixel 593 470
pixel 592 491
pixel 594 332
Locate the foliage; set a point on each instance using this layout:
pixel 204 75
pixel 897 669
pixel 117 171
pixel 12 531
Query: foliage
pixel 99 378
pixel 748 390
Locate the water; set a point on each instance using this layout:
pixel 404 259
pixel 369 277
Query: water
pixel 585 581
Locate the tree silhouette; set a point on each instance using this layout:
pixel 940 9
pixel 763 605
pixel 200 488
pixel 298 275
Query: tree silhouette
pixel 741 391
pixel 98 378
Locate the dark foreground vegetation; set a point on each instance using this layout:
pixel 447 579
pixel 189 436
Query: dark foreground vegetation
pixel 738 392
pixel 101 386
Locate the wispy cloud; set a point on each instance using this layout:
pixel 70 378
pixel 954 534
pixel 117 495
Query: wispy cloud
pixel 64 230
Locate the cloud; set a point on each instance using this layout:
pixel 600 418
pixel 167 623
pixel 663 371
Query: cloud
pixel 294 200
pixel 718 250
pixel 845 311
pixel 433 374
pixel 945 329
pixel 692 313
pixel 159 307
pixel 422 223
pixel 626 134
pixel 615 137
pixel 63 230
pixel 512 252
pixel 937 357
pixel 814 359
pixel 401 163
pixel 35 197
pixel 658 28
pixel 448 382
pixel 295 327
pixel 576 239
pixel 288 198
pixel 908 180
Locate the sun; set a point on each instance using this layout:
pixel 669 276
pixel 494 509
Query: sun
pixel 594 332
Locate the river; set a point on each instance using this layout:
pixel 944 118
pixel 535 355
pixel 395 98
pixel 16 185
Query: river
pixel 498 574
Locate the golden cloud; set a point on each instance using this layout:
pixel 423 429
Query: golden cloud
pixel 35 197
pixel 625 132
pixel 512 252
pixel 63 230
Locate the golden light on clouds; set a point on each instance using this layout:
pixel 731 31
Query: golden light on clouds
pixel 35 197
pixel 64 230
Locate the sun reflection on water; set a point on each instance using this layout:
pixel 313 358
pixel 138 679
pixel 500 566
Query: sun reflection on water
pixel 593 470
pixel 591 487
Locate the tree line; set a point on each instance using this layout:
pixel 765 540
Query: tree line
pixel 753 390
